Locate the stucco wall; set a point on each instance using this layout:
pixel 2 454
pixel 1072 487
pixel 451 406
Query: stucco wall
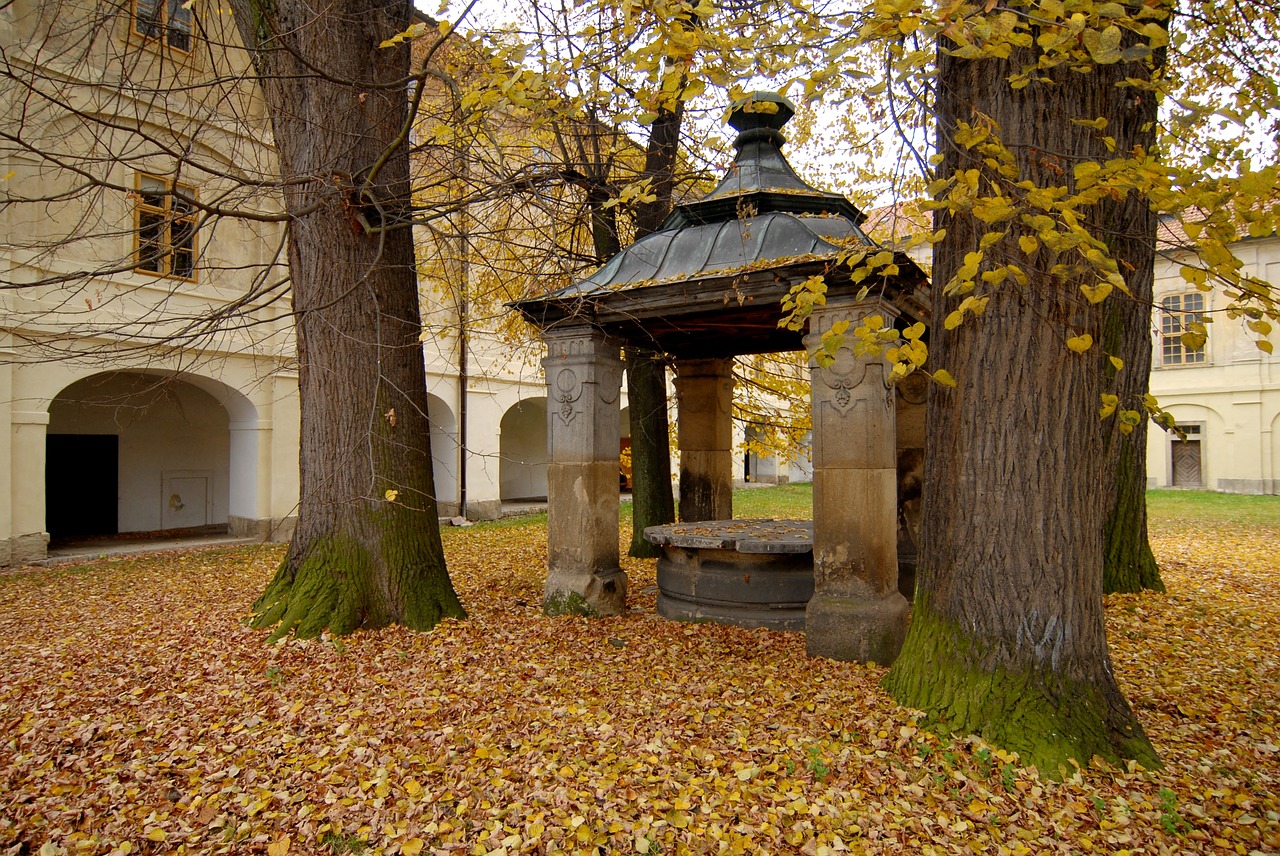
pixel 1233 396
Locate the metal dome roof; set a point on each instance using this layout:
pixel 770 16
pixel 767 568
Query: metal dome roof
pixel 710 281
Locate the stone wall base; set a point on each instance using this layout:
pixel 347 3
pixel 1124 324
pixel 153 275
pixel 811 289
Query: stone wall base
pixel 856 630
pixel 277 530
pixel 484 509
pixel 24 549
pixel 1256 487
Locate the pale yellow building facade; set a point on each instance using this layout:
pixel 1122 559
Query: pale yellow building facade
pixel 1225 398
pixel 147 380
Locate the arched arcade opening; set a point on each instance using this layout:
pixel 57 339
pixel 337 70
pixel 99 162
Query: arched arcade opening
pixel 445 463
pixel 522 443
pixel 140 452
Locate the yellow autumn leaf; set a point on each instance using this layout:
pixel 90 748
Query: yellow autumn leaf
pixel 1104 46
pixel 1080 343
pixel 413 32
pixel 412 788
pixel 944 377
pixel 1194 339
pixel 391 495
pixel 412 847
pixel 1096 293
pixel 280 846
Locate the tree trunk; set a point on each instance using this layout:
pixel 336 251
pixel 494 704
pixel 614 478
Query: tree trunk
pixel 1128 565
pixel 366 551
pixel 1007 638
pixel 652 501
pixel 1128 226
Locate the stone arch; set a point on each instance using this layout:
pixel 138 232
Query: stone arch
pixel 445 462
pixel 522 443
pixel 177 450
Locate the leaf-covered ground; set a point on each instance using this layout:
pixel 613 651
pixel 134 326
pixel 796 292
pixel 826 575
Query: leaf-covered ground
pixel 139 715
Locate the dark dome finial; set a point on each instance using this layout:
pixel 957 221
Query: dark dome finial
pixel 761 110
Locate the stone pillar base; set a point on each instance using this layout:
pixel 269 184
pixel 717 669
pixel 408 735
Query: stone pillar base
pixel 860 630
pixel 574 592
pixel 24 549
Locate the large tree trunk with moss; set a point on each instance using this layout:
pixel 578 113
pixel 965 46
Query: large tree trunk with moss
pixel 1007 638
pixel 366 551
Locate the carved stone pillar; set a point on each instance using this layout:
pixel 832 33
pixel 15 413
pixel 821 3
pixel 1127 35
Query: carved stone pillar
pixel 856 612
pixel 584 379
pixel 704 395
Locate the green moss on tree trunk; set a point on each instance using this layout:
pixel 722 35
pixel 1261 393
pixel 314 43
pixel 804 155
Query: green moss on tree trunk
pixel 1050 720
pixel 341 584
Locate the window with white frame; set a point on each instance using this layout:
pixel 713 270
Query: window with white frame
pixel 1176 312
pixel 170 22
pixel 166 228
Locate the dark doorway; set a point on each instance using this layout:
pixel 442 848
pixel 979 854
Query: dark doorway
pixel 81 485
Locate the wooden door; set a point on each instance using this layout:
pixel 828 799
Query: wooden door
pixel 1186 464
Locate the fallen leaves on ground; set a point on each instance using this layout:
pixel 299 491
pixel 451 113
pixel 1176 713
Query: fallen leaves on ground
pixel 138 714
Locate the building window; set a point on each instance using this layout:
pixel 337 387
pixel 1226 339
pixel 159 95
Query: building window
pixel 1176 312
pixel 167 21
pixel 166 235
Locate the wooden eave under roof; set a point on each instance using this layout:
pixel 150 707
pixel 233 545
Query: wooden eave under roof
pixel 732 314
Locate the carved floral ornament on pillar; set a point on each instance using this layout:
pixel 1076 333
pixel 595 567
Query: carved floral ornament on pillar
pixel 569 386
pixel 568 391
pixel 845 373
pixel 573 364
